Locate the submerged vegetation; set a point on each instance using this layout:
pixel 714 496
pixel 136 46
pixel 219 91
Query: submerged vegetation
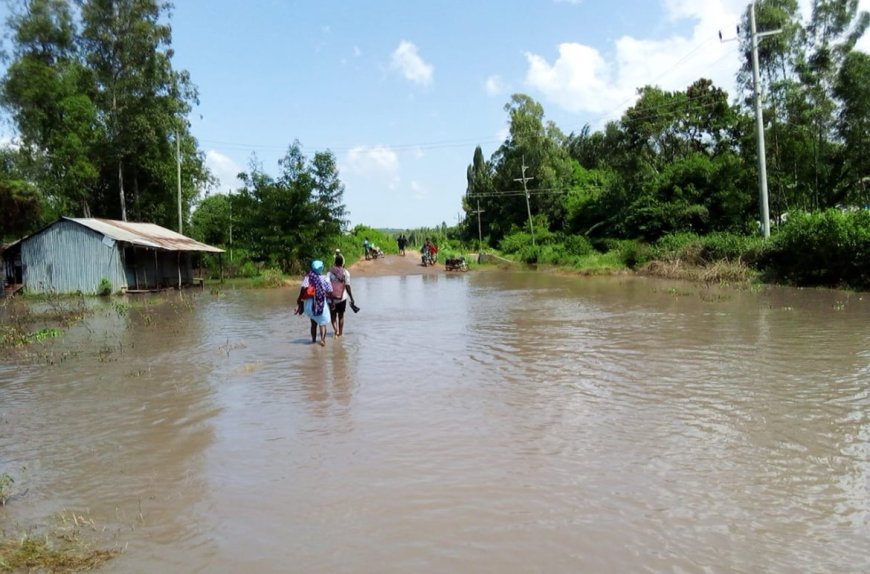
pixel 66 547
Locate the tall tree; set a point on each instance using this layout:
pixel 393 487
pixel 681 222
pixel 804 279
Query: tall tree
pixel 21 203
pixel 101 110
pixel 478 191
pixel 328 191
pixel 853 126
pixel 286 220
pixel 540 148
pixel 142 101
pixel 48 93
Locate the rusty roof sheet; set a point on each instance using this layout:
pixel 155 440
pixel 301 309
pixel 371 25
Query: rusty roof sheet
pixel 144 234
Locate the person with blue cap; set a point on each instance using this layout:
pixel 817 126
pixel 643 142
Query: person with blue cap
pixel 314 296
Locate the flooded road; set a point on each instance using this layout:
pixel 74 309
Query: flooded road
pixel 480 422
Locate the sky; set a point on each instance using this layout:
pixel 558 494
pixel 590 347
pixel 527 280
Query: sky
pixel 401 92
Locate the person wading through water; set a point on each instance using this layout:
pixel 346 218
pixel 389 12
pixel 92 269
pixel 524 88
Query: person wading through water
pixel 339 278
pixel 313 296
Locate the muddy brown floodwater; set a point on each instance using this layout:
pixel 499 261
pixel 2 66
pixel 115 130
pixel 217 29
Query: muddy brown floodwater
pixel 467 422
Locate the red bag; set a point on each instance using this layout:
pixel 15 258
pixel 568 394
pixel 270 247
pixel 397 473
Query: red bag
pixel 310 291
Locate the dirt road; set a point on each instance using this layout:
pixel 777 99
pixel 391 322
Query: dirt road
pixel 409 264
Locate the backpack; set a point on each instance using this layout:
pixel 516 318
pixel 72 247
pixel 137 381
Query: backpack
pixel 338 280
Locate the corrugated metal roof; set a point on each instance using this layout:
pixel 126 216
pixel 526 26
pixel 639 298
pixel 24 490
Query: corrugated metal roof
pixel 145 234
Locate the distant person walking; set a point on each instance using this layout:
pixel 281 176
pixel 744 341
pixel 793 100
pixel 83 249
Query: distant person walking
pixel 339 279
pixel 402 242
pixel 314 295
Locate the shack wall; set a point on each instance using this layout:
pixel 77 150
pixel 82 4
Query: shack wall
pixel 68 258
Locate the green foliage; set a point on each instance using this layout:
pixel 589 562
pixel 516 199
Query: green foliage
pixel 92 92
pixel 248 270
pixel 211 221
pixel 21 206
pixel 43 334
pixel 377 237
pixel 269 278
pixel 105 287
pixel 632 253
pixel 825 248
pixel 578 246
pixel 704 250
pixel 288 221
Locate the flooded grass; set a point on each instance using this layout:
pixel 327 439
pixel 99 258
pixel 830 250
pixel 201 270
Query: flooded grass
pixel 66 548
pixel 25 321
pixel 724 272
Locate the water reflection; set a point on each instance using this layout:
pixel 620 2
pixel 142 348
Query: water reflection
pixel 466 422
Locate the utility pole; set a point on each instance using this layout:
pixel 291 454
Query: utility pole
pixel 178 165
pixel 479 232
pixel 524 179
pixel 230 196
pixel 759 122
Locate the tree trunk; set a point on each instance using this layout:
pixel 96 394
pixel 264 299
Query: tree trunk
pixel 138 214
pixel 121 188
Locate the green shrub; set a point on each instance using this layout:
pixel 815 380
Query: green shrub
pixel 731 247
pixel 578 245
pixel 248 269
pixel 633 253
pixel 269 278
pixel 823 248
pixel 104 289
pixel 515 242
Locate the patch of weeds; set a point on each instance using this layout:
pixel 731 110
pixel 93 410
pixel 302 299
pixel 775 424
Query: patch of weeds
pixel 43 334
pixel 104 289
pixel 7 487
pixel 65 548
pixel 122 308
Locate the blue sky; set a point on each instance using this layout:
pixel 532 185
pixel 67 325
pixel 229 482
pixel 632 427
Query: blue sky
pixel 402 91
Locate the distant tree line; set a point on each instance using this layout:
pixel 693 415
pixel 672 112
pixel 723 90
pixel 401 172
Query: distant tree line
pixel 685 161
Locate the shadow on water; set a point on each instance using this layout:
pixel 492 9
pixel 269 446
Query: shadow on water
pixel 470 422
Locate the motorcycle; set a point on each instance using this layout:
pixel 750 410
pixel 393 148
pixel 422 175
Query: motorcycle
pixel 429 257
pixel 455 264
pixel 374 252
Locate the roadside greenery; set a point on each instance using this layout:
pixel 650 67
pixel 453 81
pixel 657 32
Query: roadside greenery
pixel 671 183
pixel 674 179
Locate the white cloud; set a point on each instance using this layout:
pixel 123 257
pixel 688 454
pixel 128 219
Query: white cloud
pixel 578 81
pixel 582 79
pixel 373 162
pixel 224 169
pixel 408 62
pixel 495 86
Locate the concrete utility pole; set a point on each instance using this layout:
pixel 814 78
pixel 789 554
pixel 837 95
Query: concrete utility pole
pixel 524 179
pixel 230 196
pixel 759 122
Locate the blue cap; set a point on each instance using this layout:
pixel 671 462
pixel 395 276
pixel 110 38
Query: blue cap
pixel 317 265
